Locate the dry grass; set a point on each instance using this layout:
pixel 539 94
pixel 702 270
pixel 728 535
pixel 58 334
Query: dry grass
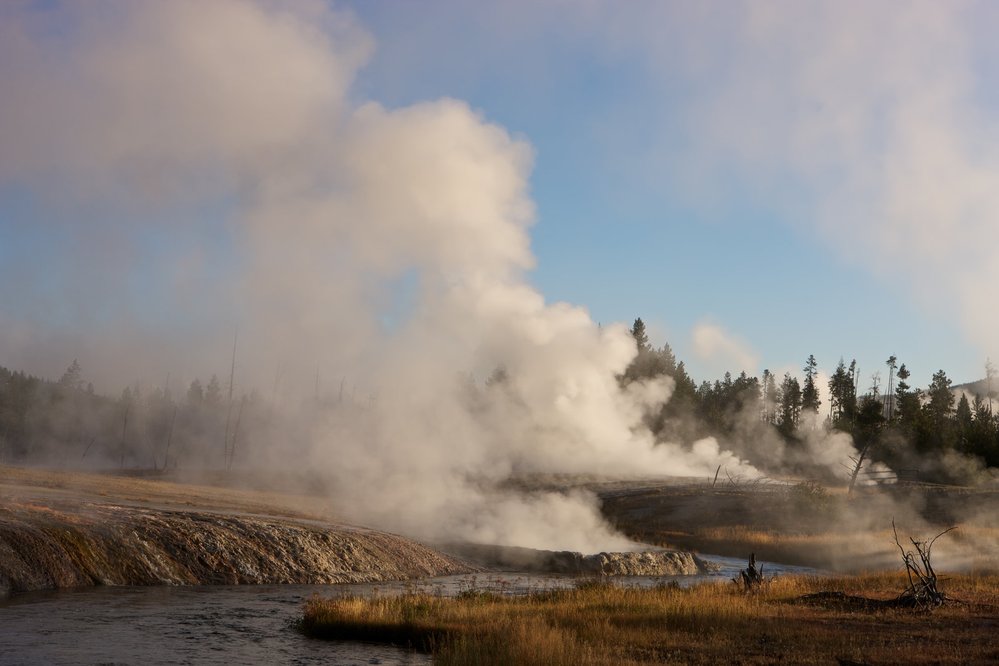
pixel 709 623
pixel 26 484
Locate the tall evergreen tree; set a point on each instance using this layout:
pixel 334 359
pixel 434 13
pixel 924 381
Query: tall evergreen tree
pixel 983 441
pixel 907 401
pixel 72 379
pixel 889 407
pixel 941 398
pixel 809 392
pixel 938 430
pixel 645 363
pixel 965 422
pixel 843 396
pixel 790 405
pixel 770 397
pixel 641 337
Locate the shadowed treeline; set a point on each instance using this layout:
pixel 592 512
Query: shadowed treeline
pixel 782 425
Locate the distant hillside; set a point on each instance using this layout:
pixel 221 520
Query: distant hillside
pixel 979 387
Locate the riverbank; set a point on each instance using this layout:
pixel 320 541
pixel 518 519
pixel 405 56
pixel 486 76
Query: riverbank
pixel 704 624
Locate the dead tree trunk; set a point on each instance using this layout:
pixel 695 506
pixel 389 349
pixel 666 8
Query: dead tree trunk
pixel 858 464
pixel 750 577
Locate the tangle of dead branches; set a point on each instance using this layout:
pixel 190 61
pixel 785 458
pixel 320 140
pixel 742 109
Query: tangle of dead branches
pixel 922 591
pixel 921 594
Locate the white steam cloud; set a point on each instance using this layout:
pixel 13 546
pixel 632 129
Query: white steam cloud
pixel 719 348
pixel 211 169
pixel 873 123
pixel 870 127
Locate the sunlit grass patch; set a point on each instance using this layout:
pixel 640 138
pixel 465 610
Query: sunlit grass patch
pixel 708 623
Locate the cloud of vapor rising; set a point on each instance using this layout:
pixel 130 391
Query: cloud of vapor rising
pixel 207 168
pixel 715 345
pixel 874 124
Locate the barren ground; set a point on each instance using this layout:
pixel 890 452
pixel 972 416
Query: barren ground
pixel 61 529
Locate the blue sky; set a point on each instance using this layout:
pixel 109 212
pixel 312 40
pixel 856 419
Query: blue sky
pixel 800 178
pixel 624 239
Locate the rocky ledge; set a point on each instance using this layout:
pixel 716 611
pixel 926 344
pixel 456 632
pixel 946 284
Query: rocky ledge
pixel 74 544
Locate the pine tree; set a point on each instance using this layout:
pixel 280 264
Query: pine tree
pixel 941 398
pixel 810 393
pixel 790 405
pixel 640 336
pixel 644 364
pixel 72 379
pixel 965 422
pixel 889 407
pixel 938 429
pixel 770 397
pixel 213 392
pixel 907 401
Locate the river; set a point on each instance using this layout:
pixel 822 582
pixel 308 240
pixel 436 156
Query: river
pixel 250 624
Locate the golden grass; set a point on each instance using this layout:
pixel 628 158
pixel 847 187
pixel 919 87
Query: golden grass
pixel 24 484
pixel 708 623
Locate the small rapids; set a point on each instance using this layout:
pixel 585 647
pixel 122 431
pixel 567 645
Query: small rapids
pixel 83 544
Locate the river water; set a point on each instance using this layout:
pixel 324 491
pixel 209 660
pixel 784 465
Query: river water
pixel 235 624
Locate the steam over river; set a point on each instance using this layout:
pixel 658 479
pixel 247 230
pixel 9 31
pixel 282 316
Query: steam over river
pixel 251 624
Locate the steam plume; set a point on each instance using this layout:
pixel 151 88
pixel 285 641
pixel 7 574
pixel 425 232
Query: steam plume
pixel 211 168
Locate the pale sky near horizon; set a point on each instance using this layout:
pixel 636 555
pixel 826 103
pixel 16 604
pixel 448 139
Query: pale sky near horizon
pixel 759 181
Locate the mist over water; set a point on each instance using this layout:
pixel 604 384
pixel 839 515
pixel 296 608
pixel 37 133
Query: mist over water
pixel 213 171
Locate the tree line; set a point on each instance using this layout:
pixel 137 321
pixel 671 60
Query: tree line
pixel 67 422
pixel 936 433
pixel 923 431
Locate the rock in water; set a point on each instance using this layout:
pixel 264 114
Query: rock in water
pixel 655 562
pixel 644 563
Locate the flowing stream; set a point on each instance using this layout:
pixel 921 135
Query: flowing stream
pixel 248 624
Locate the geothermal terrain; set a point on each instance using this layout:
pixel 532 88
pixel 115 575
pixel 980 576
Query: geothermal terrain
pixel 63 529
pixel 60 529
pixel 68 529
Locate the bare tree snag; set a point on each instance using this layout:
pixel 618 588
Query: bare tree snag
pixel 921 594
pixel 922 591
pixel 751 578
